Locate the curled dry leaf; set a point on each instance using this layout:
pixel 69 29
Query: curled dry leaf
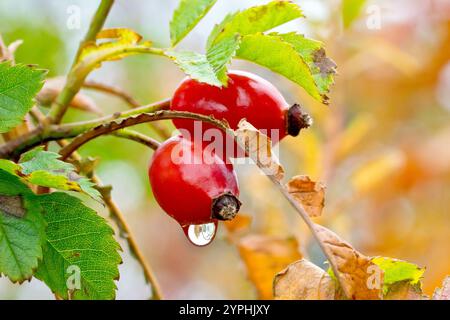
pixel 265 256
pixel 444 292
pixel 310 194
pixel 404 290
pixel 52 88
pixel 303 280
pixel 359 277
pixel 259 148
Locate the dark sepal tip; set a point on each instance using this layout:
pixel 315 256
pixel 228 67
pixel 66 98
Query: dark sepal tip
pixel 225 207
pixel 297 120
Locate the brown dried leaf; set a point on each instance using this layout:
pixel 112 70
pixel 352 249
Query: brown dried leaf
pixel 310 194
pixel 259 148
pixel 265 256
pixel 12 205
pixel 359 277
pixel 404 290
pixel 303 280
pixel 444 292
pixel 52 89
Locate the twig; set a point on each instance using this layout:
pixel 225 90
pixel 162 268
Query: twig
pixel 127 98
pixel 117 215
pixel 138 137
pixel 113 126
pixel 73 83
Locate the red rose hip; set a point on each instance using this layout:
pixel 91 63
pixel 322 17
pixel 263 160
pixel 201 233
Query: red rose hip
pixel 246 96
pixel 193 187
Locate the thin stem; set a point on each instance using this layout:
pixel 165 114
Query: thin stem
pixel 127 98
pixel 74 82
pixel 112 91
pixel 117 215
pixel 138 137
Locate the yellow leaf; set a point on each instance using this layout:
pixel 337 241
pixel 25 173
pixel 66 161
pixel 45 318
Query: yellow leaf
pixel 310 194
pixel 264 257
pixel 303 280
pixel 377 172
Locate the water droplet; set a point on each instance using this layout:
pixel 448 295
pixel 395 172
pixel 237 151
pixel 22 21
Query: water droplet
pixel 201 234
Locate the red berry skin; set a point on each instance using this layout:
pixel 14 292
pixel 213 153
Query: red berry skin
pixel 246 96
pixel 186 191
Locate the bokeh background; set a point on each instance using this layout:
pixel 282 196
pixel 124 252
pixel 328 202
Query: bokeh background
pixel 382 147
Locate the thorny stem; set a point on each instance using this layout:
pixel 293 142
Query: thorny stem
pixel 126 232
pixel 73 83
pixel 113 126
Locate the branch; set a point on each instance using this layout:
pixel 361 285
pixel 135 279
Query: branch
pixel 74 82
pixel 113 126
pixel 127 98
pixel 138 137
pixel 42 133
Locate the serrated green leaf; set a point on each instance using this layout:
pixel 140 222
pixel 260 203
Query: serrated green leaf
pixel 186 17
pixel 221 54
pixel 22 229
pixel 312 52
pixel 351 10
pixel 19 84
pixel 43 168
pixel 195 65
pixel 281 57
pixel 254 20
pixel 397 271
pixel 78 240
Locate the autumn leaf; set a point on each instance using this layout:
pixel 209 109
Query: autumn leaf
pixel 404 290
pixel 265 256
pixel 310 194
pixel 359 277
pixel 259 148
pixel 303 280
pixel 444 292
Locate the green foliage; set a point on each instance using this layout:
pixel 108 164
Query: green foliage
pixel 43 168
pixel 322 68
pixel 240 35
pixel 18 86
pixel 78 238
pixel 254 20
pixel 279 56
pixel 21 229
pixel 351 10
pixel 196 65
pixel 397 270
pixel 186 17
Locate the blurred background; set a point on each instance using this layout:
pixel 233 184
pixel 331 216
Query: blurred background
pixel 382 147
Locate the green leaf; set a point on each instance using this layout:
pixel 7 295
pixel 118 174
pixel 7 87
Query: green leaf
pixel 22 229
pixel 43 168
pixel 195 65
pixel 312 52
pixel 397 271
pixel 19 84
pixel 281 57
pixel 220 55
pixel 78 240
pixel 186 17
pixel 351 10
pixel 256 19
